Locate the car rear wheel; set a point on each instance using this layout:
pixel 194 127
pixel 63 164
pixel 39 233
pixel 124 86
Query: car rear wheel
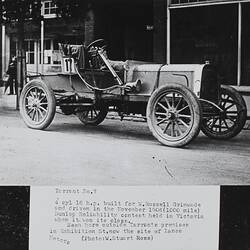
pixel 230 121
pixel 37 105
pixel 174 115
pixel 93 116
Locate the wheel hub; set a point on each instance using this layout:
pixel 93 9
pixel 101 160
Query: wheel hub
pixel 223 114
pixel 34 102
pixel 172 115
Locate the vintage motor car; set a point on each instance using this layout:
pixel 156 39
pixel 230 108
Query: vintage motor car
pixel 176 100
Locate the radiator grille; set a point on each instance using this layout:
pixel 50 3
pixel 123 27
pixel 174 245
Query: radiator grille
pixel 209 84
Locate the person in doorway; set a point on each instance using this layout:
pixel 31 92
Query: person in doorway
pixel 12 72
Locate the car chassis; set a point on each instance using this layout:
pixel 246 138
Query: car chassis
pixel 176 100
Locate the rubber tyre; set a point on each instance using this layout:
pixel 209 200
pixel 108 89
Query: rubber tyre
pixel 46 96
pixel 194 111
pixel 240 121
pixel 98 115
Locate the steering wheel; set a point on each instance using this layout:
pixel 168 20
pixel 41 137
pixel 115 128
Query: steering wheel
pixel 100 43
pixel 92 50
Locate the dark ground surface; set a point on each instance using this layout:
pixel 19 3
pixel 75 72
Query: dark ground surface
pixel 14 217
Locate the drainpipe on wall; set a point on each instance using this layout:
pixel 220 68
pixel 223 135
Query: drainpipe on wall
pixel 239 44
pixel 42 46
pixel 168 33
pixel 20 61
pixel 3 50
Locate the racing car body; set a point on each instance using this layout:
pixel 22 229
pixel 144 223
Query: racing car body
pixel 177 100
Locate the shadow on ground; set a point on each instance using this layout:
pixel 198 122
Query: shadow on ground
pixel 140 131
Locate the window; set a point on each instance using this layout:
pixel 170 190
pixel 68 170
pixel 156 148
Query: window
pixel 203 34
pixel 245 54
pixel 47 44
pixel 29 46
pixel 47 52
pixel 56 55
pixel 51 53
pixel 49 9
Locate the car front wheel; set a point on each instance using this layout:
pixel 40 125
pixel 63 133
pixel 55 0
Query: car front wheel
pixel 174 115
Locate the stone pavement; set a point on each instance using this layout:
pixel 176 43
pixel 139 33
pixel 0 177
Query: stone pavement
pixel 7 101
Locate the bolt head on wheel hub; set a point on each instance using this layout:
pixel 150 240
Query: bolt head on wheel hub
pixel 172 115
pixel 33 102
